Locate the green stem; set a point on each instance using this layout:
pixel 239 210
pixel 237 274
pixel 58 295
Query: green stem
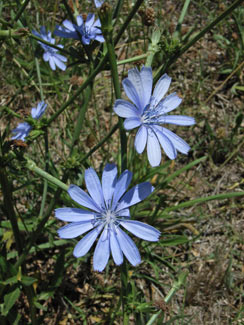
pixel 134 59
pixel 39 78
pixel 172 59
pixel 81 117
pixel 21 10
pixel 32 166
pixel 176 33
pixel 124 290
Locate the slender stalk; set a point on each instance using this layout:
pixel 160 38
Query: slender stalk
pixel 21 10
pixel 32 166
pixel 107 29
pixel 81 117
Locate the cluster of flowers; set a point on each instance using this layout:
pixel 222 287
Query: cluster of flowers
pixel 108 202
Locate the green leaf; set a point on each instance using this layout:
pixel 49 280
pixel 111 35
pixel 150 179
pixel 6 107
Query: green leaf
pixel 9 300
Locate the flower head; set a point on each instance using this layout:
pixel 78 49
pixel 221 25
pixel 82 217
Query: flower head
pixel 23 129
pixel 109 207
pixel 149 111
pixel 87 31
pixel 50 54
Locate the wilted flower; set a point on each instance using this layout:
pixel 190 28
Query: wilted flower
pixel 50 54
pixel 87 31
pixel 23 129
pixel 110 210
pixel 149 111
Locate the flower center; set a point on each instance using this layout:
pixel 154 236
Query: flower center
pixel 152 113
pixel 109 217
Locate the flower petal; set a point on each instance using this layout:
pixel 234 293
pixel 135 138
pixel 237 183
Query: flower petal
pixel 135 195
pixel 75 229
pixel 177 141
pixel 86 242
pixel 125 109
pixel 153 149
pixel 94 187
pixel 166 144
pixel 141 230
pixel 121 186
pixel 136 79
pixel 132 122
pixel 52 63
pixel 141 139
pixel 90 20
pixel 115 248
pixel 102 251
pixel 161 88
pixel 79 21
pixel 98 3
pixel 73 214
pixel 81 197
pixel 178 120
pixel 109 179
pixel 147 79
pixel 69 25
pixel 128 247
pixel 131 93
pixel 170 103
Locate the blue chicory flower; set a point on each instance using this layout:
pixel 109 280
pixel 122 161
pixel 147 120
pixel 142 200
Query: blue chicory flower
pixel 87 31
pixel 50 54
pixel 23 129
pixel 149 111
pixel 110 210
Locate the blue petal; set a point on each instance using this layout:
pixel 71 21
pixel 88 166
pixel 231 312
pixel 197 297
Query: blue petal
pixel 75 229
pixel 81 197
pixel 141 85
pixel 125 109
pixel 128 247
pixel 69 25
pixel 102 252
pixel 166 144
pixel 46 56
pixel 170 103
pixel 22 130
pixel 73 214
pixel 132 93
pixel 90 20
pixel 178 120
pixel 132 122
pixel 109 179
pixel 86 242
pixel 99 38
pixel 146 76
pixel 59 63
pixel 98 3
pixel 124 213
pixel 115 249
pixel 141 230
pixel 161 88
pixel 37 112
pixel 177 142
pixel 141 139
pixel 94 187
pixel 52 63
pixel 153 149
pixel 121 186
pixel 60 57
pixel 135 195
pixel 79 20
